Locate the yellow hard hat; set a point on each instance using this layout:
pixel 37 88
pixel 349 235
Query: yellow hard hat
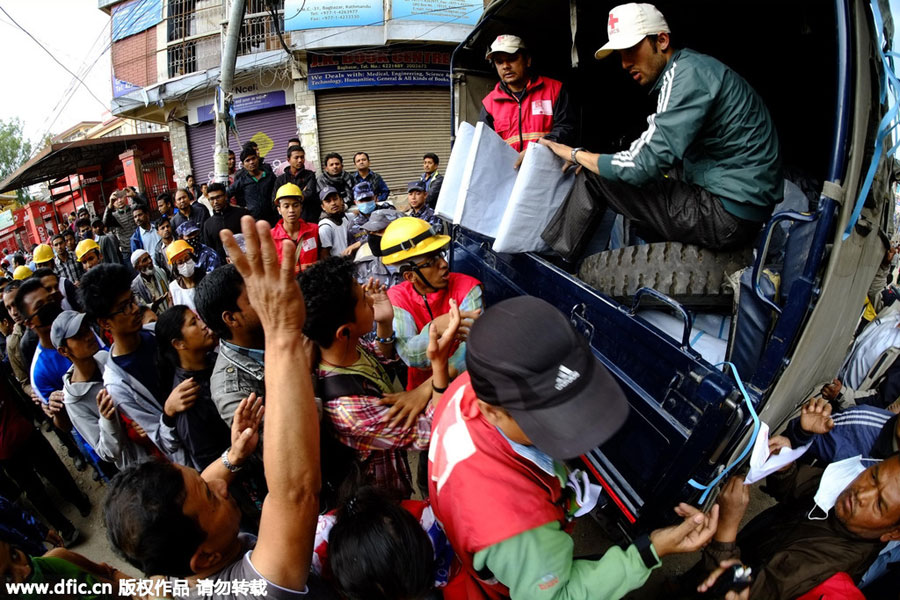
pixel 288 190
pixel 408 237
pixel 176 248
pixel 22 272
pixel 85 246
pixel 43 253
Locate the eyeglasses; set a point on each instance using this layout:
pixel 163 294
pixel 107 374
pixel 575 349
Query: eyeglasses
pixel 126 307
pixel 430 262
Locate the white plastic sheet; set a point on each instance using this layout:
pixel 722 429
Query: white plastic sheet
pixel 763 463
pixel 539 190
pixel 449 196
pixel 487 182
pixel 711 348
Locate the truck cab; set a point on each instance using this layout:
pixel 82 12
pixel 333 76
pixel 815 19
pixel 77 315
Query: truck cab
pixel 793 299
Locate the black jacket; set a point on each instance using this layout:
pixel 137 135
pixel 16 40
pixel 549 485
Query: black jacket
pixel 230 219
pixel 255 194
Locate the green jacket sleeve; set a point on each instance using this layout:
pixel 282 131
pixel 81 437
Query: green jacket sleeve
pixel 538 565
pixel 681 109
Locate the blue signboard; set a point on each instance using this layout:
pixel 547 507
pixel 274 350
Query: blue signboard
pixel 419 66
pixel 134 17
pixel 120 87
pixel 463 12
pixel 315 14
pixel 244 104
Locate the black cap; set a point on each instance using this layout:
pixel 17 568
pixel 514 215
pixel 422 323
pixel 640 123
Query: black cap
pixel 524 356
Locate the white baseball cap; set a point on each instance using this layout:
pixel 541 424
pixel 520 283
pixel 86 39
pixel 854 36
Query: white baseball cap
pixel 505 43
pixel 628 24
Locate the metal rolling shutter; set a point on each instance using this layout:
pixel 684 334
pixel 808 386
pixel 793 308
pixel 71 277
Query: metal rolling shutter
pixel 395 126
pixel 278 125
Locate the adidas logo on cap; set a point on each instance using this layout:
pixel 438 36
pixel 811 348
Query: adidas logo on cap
pixel 565 377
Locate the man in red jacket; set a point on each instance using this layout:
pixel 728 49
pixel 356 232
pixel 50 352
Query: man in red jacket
pixel 523 107
pixel 422 300
pixel 534 395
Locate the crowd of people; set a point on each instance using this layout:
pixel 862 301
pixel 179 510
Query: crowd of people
pixel 280 382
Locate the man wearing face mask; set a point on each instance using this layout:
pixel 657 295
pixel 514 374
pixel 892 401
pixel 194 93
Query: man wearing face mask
pixel 826 522
pixel 364 196
pixel 119 219
pixel 150 285
pixel 206 258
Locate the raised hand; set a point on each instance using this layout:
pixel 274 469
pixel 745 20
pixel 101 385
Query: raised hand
pixel 381 304
pixel 815 416
pixel 245 428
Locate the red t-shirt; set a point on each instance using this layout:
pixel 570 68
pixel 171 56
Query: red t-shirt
pixel 307 242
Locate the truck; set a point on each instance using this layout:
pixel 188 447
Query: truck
pixel 793 300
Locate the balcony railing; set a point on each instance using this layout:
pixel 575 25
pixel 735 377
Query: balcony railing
pixel 195 27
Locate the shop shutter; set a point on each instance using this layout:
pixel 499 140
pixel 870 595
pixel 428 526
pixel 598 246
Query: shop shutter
pixel 270 129
pixel 395 126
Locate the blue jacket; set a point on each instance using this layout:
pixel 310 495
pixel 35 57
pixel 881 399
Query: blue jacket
pixel 857 431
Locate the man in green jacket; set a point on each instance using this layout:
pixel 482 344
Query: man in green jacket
pixel 708 121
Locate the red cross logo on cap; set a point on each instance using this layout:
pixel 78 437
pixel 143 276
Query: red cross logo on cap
pixel 612 21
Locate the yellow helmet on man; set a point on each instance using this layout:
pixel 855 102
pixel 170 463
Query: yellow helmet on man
pixel 409 237
pixel 85 246
pixel 43 253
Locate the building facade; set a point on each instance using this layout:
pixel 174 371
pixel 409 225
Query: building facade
pixel 343 76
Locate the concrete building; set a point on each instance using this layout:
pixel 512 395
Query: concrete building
pixel 343 76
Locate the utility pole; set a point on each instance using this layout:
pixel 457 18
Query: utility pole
pixel 225 91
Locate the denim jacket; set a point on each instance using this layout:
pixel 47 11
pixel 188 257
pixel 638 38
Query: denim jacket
pixel 235 376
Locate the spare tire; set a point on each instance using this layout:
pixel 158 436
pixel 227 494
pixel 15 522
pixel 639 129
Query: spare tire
pixel 691 275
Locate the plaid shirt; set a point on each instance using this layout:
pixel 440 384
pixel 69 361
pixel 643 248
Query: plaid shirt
pixel 360 423
pixel 70 268
pixel 412 344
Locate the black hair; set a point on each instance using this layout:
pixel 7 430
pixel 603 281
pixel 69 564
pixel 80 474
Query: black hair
pixel 138 206
pixel 247 152
pixel 160 221
pixel 145 520
pixel 218 292
pixel 68 233
pixel 216 186
pixel 43 272
pixel 294 139
pixel 168 329
pixel 4 314
pixel 165 197
pixel 295 148
pixel 327 288
pixel 433 157
pixel 97 223
pixel 230 152
pixel 366 154
pixel 58 236
pixel 83 209
pixel 29 286
pixel 82 222
pixel 101 286
pixel 189 193
pixel 18 259
pixel 188 175
pixel 12 286
pixel 377 550
pixel 331 155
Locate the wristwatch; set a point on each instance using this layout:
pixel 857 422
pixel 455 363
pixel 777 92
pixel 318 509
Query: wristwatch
pixel 228 465
pixel 645 549
pixel 574 152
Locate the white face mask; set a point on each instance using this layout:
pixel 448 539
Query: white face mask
pixel 835 479
pixel 186 269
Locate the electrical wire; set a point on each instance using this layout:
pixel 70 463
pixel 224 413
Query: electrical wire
pixel 56 60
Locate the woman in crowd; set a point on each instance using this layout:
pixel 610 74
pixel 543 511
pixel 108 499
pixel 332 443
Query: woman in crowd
pixel 180 255
pixel 186 353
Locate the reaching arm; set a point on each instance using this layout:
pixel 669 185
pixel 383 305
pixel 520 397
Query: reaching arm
pixel 283 552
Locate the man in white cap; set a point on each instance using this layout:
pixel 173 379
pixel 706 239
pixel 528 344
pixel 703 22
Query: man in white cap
pixel 524 107
pixel 150 285
pixel 708 121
